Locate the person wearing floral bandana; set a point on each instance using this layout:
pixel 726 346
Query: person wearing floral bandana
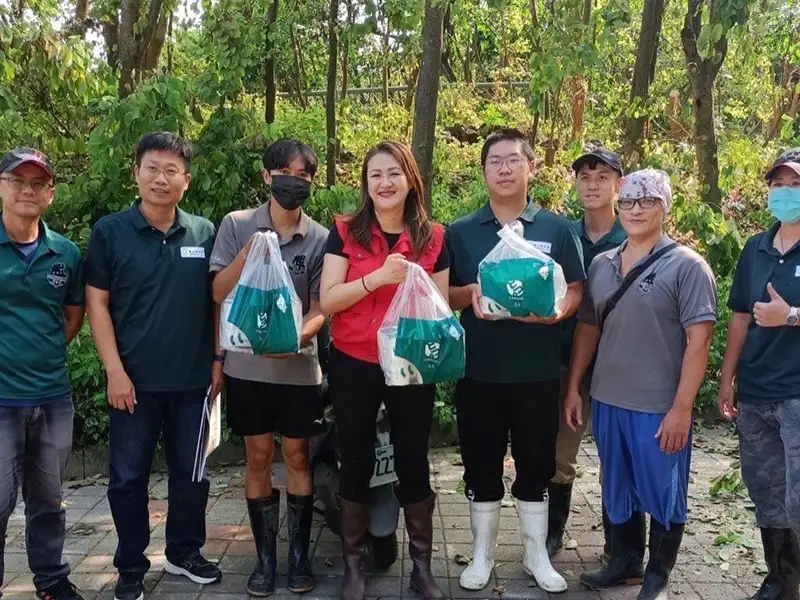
pixel 648 314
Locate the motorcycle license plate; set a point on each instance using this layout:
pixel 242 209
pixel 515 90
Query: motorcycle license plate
pixel 384 467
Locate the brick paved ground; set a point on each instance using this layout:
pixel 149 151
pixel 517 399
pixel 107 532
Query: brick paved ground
pixel 705 570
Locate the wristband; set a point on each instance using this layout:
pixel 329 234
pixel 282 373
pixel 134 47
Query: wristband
pixel 219 358
pixel 364 283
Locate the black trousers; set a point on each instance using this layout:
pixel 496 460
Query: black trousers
pixel 487 413
pixel 357 389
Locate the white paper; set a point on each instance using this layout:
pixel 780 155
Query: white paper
pixel 210 434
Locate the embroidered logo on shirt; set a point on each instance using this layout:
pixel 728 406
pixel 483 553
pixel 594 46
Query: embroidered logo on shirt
pixel 646 284
pixel 193 252
pixel 57 276
pixel 298 266
pixel 545 247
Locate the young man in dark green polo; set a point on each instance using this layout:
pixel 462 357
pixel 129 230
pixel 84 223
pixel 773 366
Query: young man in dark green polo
pixel 149 300
pixel 41 311
pixel 598 177
pixel 513 369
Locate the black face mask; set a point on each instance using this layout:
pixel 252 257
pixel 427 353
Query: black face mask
pixel 290 191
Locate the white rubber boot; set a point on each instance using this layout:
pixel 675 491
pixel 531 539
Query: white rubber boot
pixel 533 529
pixel 484 518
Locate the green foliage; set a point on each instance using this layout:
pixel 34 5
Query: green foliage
pixel 729 484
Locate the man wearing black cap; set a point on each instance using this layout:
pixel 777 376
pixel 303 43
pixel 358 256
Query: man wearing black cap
pixel 761 371
pixel 598 175
pixel 41 311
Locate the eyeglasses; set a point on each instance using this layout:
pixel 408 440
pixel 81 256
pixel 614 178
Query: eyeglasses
pixel 645 203
pixel 512 162
pixel 152 172
pixel 19 183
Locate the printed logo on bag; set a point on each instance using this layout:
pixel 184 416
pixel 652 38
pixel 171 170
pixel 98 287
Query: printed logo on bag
pixel 514 289
pixel 454 332
pixel 646 284
pixel 281 304
pixel 58 276
pixel 545 247
pixel 298 266
pixel 193 252
pixel 432 350
pixel 261 321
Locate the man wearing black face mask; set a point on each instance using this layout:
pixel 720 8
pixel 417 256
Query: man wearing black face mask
pixel 269 394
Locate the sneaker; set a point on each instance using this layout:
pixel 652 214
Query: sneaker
pixel 61 590
pixel 196 568
pixel 130 586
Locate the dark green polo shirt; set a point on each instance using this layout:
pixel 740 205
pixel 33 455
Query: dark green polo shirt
pixel 508 351
pixel 609 241
pixel 159 296
pixel 769 367
pixel 33 350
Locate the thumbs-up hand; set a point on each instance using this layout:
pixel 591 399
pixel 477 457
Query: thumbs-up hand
pixel 772 313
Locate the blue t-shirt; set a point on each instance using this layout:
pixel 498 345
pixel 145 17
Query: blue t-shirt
pixel 28 249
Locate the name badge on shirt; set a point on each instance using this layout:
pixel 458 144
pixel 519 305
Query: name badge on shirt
pixel 797 271
pixel 543 246
pixel 193 252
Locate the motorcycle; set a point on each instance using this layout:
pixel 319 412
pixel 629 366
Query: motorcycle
pixel 384 509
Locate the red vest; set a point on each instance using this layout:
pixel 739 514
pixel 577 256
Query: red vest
pixel 355 330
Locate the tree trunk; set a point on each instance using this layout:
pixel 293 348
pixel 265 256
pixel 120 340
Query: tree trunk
pixel 111 35
pixel 579 84
pixel 385 76
pixel 80 20
pixel 427 98
pixel 133 47
pixel 706 143
pixel 269 64
pixel 351 19
pixel 151 55
pixel 298 69
pixel 19 9
pixel 643 73
pixel 703 74
pixel 330 100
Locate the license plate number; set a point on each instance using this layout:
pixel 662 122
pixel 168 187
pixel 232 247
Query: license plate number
pixel 384 467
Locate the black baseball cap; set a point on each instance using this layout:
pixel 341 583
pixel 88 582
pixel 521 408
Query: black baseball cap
pixel 790 158
pixel 607 157
pixel 21 156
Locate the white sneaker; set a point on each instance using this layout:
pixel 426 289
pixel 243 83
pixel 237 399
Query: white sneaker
pixel 484 518
pixel 533 529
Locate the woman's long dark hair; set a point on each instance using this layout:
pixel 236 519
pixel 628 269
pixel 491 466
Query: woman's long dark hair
pixel 414 216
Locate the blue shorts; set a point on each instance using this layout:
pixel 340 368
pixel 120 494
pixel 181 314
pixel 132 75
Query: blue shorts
pixel 637 475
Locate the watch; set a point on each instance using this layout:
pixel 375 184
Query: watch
pixel 219 358
pixel 792 318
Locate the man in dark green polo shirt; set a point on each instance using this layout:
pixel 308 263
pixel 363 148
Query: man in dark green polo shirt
pixel 41 311
pixel 149 300
pixel 513 366
pixel 598 177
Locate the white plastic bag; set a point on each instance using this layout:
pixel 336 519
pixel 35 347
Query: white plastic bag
pixel 516 279
pixel 420 341
pixel 262 314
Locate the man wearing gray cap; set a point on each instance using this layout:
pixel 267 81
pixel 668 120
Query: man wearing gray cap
pixel 41 311
pixel 648 314
pixel 761 356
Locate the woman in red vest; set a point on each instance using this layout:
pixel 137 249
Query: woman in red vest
pixel 366 258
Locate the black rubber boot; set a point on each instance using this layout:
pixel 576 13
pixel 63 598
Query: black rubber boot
pixel 782 555
pixel 559 500
pixel 606 535
pixel 664 546
pixel 627 555
pixel 264 519
pixel 299 517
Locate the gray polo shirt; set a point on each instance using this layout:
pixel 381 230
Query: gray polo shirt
pixel 303 254
pixel 641 350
